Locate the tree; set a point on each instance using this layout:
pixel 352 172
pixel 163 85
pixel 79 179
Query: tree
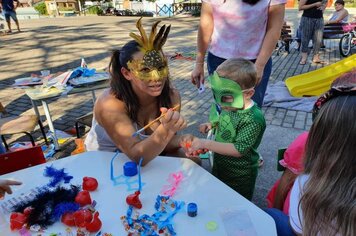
pixel 41 8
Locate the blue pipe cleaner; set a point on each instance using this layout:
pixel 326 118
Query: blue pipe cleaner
pixel 139 174
pixel 56 175
pixel 63 208
pixel 127 180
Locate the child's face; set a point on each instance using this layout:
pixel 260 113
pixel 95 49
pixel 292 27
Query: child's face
pixel 228 93
pixel 247 94
pixel 338 6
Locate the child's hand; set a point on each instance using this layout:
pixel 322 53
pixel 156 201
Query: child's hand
pixel 5 186
pixel 197 152
pixel 190 145
pixel 186 141
pixel 204 128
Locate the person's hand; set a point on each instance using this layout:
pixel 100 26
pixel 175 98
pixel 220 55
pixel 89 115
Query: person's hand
pixel 185 141
pixel 322 7
pixel 192 145
pixel 205 127
pixel 318 4
pixel 198 74
pixel 196 147
pixel 5 186
pixel 172 121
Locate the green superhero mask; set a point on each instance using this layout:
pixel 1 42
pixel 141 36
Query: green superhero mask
pixel 226 88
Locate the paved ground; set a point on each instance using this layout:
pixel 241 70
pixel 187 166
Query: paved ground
pixel 58 44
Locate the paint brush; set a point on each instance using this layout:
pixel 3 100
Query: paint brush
pixel 149 124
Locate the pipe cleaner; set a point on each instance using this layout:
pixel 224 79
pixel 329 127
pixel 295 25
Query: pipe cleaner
pixel 56 175
pixel 127 180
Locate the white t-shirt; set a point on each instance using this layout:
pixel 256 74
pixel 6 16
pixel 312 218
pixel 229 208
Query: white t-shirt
pixel 296 193
pixel 239 28
pixel 295 196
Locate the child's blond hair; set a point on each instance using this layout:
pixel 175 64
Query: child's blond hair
pixel 240 70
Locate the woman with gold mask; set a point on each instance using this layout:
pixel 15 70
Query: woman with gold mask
pixel 140 91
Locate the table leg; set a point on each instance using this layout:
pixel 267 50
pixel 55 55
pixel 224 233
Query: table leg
pixel 50 124
pixel 35 108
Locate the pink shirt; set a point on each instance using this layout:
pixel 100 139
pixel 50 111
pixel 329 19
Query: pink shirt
pixel 239 28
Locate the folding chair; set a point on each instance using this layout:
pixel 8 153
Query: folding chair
pixel 209 155
pixel 19 124
pixel 13 161
pixel 280 156
pixel 85 120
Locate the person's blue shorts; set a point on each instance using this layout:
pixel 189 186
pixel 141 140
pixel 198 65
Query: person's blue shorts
pixel 9 14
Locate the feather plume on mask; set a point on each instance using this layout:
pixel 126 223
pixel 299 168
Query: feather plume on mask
pixel 151 47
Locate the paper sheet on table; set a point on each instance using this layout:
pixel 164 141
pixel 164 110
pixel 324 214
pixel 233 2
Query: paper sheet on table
pixel 60 80
pixel 82 80
pixel 237 222
pixel 41 92
pixel 27 81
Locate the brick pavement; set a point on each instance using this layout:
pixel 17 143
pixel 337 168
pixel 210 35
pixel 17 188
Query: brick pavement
pixel 58 44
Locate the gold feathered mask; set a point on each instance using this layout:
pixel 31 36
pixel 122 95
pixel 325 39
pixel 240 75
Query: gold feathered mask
pixel 153 66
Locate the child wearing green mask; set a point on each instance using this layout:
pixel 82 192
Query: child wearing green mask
pixel 239 126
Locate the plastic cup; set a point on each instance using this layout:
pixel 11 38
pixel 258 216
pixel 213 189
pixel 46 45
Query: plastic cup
pixel 45 73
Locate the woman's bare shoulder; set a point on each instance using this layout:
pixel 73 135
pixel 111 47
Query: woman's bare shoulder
pixel 108 104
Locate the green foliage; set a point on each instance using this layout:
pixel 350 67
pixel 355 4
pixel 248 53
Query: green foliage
pixel 350 4
pixel 95 10
pixel 41 8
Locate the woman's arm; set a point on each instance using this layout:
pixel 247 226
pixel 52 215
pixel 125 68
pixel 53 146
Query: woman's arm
pixel 285 184
pixel 304 6
pixel 343 14
pixel 205 30
pixel 111 115
pixel 174 143
pixel 273 32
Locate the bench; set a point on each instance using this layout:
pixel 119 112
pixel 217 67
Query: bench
pixel 285 39
pixel 332 31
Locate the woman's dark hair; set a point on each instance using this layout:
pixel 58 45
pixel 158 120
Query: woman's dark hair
pixel 121 87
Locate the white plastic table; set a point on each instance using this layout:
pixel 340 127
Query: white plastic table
pixel 199 186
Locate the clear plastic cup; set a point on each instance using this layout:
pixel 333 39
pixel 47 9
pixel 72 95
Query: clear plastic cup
pixel 45 73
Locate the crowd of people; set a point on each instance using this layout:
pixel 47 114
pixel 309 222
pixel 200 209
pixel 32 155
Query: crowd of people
pixel 316 193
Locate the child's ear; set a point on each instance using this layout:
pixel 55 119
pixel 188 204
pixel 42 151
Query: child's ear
pixel 250 93
pixel 126 73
